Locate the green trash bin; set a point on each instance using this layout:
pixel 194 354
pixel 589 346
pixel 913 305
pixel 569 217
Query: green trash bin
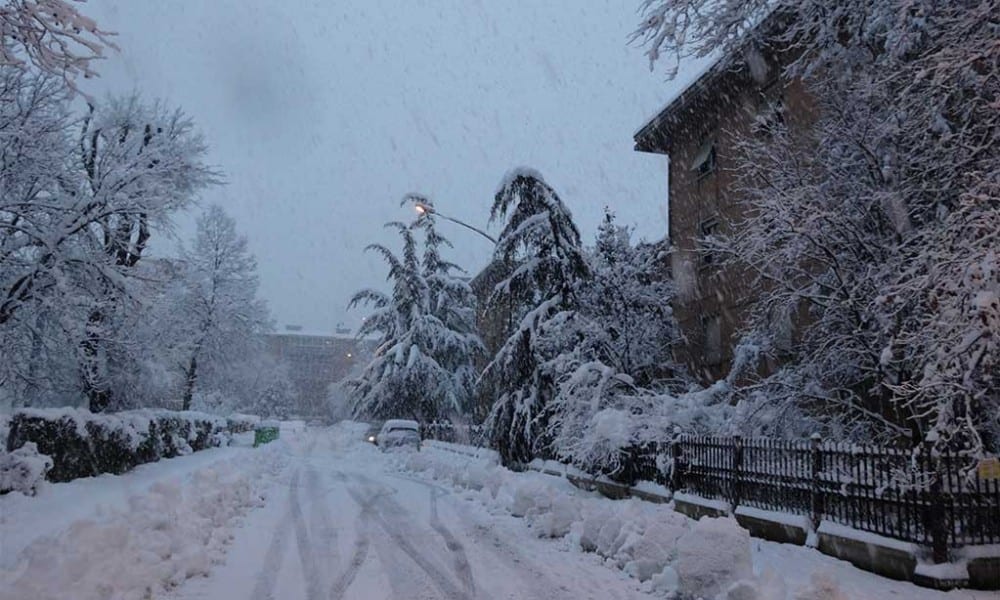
pixel 265 432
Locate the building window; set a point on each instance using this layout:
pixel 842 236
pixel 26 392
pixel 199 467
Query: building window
pixel 712 329
pixel 708 228
pixel 704 163
pixel 770 117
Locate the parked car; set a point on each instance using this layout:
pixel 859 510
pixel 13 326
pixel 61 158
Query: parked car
pixel 399 433
pixel 371 433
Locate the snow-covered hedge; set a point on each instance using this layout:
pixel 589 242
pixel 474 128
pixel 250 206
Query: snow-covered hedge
pixel 237 423
pixel 23 469
pixel 84 444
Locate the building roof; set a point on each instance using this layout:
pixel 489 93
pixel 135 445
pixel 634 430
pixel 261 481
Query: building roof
pixel 652 136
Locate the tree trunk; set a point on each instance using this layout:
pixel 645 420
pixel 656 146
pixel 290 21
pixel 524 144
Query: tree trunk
pixel 190 377
pixel 94 378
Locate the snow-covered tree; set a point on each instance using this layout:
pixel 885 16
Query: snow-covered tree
pixel 628 297
pixel 540 251
pixel 257 384
pixel 75 216
pixel 456 344
pixel 616 365
pixel 427 346
pixel 866 223
pixel 222 317
pixel 138 164
pixel 51 35
pixel 35 140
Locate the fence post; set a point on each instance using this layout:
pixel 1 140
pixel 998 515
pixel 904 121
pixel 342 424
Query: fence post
pixel 676 477
pixel 934 512
pixel 815 496
pixel 737 491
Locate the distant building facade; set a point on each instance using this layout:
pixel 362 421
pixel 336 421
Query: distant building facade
pixel 316 360
pixel 697 131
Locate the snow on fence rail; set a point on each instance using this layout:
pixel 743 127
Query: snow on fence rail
pixel 928 497
pixel 920 495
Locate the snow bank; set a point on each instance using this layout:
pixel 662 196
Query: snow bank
pixel 292 427
pixel 651 542
pixel 175 530
pixel 23 470
pixel 712 554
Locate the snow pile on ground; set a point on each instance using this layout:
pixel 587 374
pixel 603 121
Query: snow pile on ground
pixel 676 556
pixel 23 469
pixel 176 530
pixel 291 427
pixel 713 553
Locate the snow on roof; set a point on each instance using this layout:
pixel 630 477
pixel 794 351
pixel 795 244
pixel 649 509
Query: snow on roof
pixel 707 68
pixel 686 81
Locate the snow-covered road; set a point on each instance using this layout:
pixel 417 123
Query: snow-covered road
pixel 342 522
pixel 320 514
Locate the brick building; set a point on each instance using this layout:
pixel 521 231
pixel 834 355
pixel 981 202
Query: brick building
pixel 317 359
pixel 696 131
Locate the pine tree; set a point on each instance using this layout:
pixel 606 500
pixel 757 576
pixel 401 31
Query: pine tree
pixel 427 343
pixel 540 249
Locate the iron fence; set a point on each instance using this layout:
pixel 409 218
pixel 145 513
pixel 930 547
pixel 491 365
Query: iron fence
pixel 931 497
pixel 934 498
pixel 444 431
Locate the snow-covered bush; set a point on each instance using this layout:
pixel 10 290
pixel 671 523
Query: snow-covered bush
pixel 639 537
pixel 84 444
pixel 237 423
pixel 23 469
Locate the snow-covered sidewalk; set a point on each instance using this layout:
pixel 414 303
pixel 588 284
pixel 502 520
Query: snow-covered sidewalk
pixel 129 536
pixel 672 555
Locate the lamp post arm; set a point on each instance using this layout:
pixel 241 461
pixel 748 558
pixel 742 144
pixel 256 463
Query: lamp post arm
pixel 466 225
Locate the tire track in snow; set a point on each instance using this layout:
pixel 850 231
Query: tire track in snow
pixel 506 551
pixel 324 547
pixel 358 556
pixel 377 501
pixel 268 577
pixel 462 567
pixel 306 557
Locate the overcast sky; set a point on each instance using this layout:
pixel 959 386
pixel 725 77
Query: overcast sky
pixel 323 113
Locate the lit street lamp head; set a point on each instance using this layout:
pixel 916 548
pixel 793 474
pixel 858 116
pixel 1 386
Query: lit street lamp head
pixel 424 208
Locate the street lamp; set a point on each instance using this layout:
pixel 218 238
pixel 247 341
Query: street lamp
pixel 423 208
